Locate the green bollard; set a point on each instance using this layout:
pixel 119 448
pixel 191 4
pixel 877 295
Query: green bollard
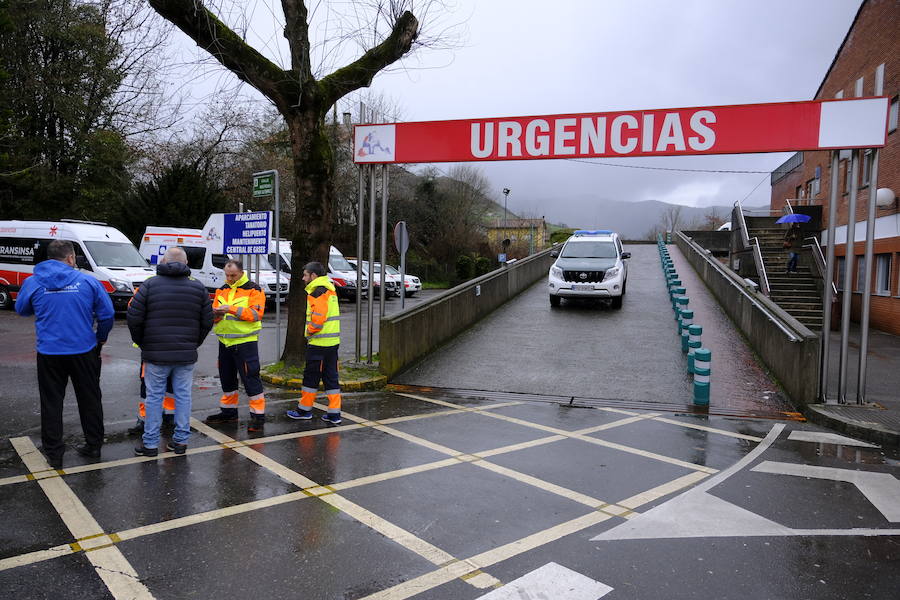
pixel 694 333
pixel 675 292
pixel 687 317
pixel 702 359
pixel 681 303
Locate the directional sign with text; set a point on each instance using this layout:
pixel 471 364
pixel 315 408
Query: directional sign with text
pixel 263 185
pixel 747 128
pixel 247 233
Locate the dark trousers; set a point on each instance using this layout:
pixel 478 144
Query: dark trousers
pixel 240 360
pixel 54 372
pixel 321 364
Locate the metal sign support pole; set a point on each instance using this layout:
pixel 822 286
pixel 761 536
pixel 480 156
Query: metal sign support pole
pixel 277 269
pixel 828 296
pixel 372 213
pixel 848 277
pixel 867 289
pixel 360 220
pixel 384 207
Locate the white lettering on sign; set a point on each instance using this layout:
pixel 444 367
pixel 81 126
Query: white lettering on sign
pixel 569 136
pixel 619 143
pixel 698 125
pixel 537 145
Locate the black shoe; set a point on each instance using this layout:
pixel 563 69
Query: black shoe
pixel 257 423
pixel 55 462
pixel 138 428
pixel 142 451
pixel 176 448
pixel 88 451
pixel 225 415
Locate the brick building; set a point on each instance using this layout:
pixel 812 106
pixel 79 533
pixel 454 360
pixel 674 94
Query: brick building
pixel 868 57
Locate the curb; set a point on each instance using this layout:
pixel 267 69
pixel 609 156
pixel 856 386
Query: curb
pixel 359 385
pixel 866 430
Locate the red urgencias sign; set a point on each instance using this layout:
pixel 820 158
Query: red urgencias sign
pixel 779 127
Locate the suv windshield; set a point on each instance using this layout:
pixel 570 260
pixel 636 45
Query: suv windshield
pixel 392 270
pixel 589 250
pixel 115 254
pixel 339 263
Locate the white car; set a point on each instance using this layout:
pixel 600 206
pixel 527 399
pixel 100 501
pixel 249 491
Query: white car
pixel 392 284
pixel 412 283
pixel 591 264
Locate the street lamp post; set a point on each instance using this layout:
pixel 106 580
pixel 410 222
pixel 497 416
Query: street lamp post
pixel 505 197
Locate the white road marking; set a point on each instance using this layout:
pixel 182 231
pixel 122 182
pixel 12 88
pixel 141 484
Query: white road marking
pixel 827 438
pixel 881 489
pixel 662 490
pixel 740 436
pixel 551 581
pixel 110 564
pixel 37 556
pixel 670 519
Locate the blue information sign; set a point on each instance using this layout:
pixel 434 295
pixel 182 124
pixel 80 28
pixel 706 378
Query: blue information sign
pixel 246 233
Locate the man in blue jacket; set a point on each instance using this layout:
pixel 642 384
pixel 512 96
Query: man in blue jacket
pixel 65 303
pixel 169 317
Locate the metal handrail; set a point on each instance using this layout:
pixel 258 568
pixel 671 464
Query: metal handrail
pixel 743 228
pixel 790 208
pixel 760 266
pixel 819 259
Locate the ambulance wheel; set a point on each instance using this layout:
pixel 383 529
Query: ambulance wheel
pixel 554 300
pixel 5 297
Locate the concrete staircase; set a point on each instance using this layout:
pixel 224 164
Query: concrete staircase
pixel 797 293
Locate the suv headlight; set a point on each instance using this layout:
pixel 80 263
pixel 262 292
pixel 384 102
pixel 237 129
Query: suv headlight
pixel 121 286
pixel 556 272
pixel 610 273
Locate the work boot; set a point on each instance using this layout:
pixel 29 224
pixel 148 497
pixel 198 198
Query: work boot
pixel 257 423
pixel 138 428
pixel 168 423
pixel 225 415
pixel 55 462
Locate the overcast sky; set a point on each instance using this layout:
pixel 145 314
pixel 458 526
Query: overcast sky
pixel 524 57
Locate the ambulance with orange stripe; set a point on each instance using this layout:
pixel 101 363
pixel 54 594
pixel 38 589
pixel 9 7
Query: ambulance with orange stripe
pixel 100 250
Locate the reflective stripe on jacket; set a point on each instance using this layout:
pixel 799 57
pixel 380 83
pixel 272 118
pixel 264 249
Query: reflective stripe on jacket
pixel 323 327
pixel 246 302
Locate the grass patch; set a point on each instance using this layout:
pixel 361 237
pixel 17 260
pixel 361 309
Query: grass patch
pixel 348 371
pixel 436 285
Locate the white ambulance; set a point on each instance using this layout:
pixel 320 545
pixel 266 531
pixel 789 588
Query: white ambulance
pixel 205 265
pixel 101 250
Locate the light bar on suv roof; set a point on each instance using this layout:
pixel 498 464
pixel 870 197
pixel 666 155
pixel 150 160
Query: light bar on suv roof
pixel 593 232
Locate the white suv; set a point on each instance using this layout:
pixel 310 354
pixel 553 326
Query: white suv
pixel 591 264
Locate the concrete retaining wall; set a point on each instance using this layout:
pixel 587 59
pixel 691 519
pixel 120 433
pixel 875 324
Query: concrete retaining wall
pixel 788 348
pixel 407 336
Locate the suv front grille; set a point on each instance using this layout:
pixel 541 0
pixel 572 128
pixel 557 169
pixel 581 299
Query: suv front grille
pixel 589 276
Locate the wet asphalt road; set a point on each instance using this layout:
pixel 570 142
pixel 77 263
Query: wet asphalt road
pixel 446 495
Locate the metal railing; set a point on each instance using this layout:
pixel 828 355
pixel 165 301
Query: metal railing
pixel 753 245
pixel 819 259
pixel 790 209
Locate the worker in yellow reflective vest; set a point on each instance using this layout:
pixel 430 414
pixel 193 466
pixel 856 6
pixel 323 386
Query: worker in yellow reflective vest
pixel 237 312
pixel 323 335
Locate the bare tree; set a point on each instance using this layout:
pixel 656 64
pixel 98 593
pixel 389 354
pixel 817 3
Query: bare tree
pixel 304 98
pixel 671 217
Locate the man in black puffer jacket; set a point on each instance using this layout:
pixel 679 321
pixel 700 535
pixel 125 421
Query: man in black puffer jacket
pixel 169 317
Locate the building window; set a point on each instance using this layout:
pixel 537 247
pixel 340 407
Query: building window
pixel 868 160
pixel 841 268
pixel 883 274
pixel 892 115
pixel 846 176
pixel 861 274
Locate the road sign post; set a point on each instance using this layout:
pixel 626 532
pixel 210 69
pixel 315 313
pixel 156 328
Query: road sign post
pixel 401 242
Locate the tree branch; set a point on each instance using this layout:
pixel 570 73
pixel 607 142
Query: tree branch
pixel 211 34
pixel 361 72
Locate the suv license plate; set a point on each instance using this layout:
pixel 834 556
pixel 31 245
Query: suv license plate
pixel 582 287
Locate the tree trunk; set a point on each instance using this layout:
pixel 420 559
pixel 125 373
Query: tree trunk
pixel 313 169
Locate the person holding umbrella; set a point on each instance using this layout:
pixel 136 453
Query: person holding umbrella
pixel 791 237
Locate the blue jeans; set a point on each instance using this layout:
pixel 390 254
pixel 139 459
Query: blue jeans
pixel 792 260
pixel 155 377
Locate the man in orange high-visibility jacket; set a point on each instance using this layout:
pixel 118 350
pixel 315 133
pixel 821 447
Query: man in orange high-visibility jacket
pixel 238 311
pixel 323 335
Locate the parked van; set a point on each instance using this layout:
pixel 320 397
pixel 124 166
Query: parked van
pixel 343 274
pixel 205 266
pixel 99 249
